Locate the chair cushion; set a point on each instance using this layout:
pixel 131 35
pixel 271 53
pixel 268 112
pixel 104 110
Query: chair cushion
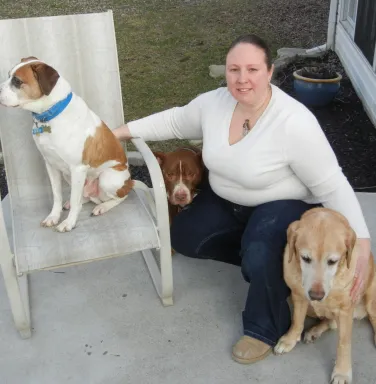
pixel 125 229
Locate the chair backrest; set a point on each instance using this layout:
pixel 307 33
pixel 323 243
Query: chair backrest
pixel 83 49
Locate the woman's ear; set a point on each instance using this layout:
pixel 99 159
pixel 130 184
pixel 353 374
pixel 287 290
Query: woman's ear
pixel 271 71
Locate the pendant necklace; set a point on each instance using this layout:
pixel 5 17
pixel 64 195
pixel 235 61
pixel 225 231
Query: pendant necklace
pixel 246 127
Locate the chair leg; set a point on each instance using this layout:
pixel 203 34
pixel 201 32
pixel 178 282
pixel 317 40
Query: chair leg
pixel 17 291
pixel 166 275
pixel 161 275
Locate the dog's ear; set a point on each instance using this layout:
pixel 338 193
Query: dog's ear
pixel 160 157
pixel 28 58
pixel 46 76
pixel 291 237
pixel 350 244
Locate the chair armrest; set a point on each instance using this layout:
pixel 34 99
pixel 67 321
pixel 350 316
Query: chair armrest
pixel 159 188
pixel 5 249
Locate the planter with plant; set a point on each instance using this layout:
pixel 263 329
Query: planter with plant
pixel 317 85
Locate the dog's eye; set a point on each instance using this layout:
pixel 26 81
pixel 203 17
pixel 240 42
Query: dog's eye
pixel 16 82
pixel 332 262
pixel 306 259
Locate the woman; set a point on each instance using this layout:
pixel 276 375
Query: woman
pixel 268 162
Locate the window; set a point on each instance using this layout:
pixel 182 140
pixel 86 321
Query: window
pixel 365 28
pixel 358 17
pixel 348 15
pixel 351 11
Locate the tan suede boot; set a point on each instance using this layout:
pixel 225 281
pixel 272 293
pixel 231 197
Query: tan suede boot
pixel 249 350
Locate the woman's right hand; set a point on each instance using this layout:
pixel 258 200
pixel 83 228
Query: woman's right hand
pixel 122 132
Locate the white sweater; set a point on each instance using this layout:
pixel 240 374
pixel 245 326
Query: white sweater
pixel 285 156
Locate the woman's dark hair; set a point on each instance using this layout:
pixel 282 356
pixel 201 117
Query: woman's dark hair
pixel 258 42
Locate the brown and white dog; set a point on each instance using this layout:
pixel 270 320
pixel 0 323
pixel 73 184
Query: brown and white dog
pixel 319 267
pixel 182 171
pixel 72 139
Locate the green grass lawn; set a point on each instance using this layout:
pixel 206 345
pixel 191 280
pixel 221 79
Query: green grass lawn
pixel 164 46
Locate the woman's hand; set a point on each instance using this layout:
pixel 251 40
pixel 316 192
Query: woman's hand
pixel 361 268
pixel 122 132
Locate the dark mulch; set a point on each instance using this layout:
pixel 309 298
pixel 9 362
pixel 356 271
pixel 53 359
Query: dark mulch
pixel 3 183
pixel 345 123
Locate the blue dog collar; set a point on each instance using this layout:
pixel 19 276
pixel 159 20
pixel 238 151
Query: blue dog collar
pixel 54 111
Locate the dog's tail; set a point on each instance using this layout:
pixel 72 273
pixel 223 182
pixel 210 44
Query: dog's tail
pixel 125 189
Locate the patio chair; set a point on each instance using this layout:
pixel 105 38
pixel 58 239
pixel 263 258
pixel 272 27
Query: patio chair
pixel 83 48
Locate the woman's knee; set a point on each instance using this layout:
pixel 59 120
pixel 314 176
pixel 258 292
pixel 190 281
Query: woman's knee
pixel 183 238
pixel 200 240
pixel 187 238
pixel 261 261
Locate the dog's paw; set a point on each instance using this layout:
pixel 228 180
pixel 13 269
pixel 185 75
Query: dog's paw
pixel 50 221
pixel 98 210
pixel 102 208
pixel 65 226
pixel 312 335
pixel 285 345
pixel 338 378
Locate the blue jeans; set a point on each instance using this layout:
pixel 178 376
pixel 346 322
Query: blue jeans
pixel 251 237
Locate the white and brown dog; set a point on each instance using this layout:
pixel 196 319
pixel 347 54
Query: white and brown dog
pixel 72 139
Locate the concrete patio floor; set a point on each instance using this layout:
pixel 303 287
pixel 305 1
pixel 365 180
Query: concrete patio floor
pixel 102 323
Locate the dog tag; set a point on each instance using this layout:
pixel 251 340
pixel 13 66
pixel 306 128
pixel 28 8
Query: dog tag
pixel 46 128
pixel 43 128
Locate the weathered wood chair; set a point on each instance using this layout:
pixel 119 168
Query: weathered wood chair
pixel 83 48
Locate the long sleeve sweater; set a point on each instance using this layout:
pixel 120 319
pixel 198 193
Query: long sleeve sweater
pixel 286 155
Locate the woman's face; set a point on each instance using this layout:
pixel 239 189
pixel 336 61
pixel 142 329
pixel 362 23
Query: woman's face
pixel 247 74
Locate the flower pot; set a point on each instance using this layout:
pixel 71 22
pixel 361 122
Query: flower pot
pixel 315 86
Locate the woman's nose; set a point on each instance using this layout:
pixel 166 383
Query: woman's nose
pixel 242 77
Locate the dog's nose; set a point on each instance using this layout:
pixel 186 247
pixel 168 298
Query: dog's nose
pixel 316 295
pixel 181 195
